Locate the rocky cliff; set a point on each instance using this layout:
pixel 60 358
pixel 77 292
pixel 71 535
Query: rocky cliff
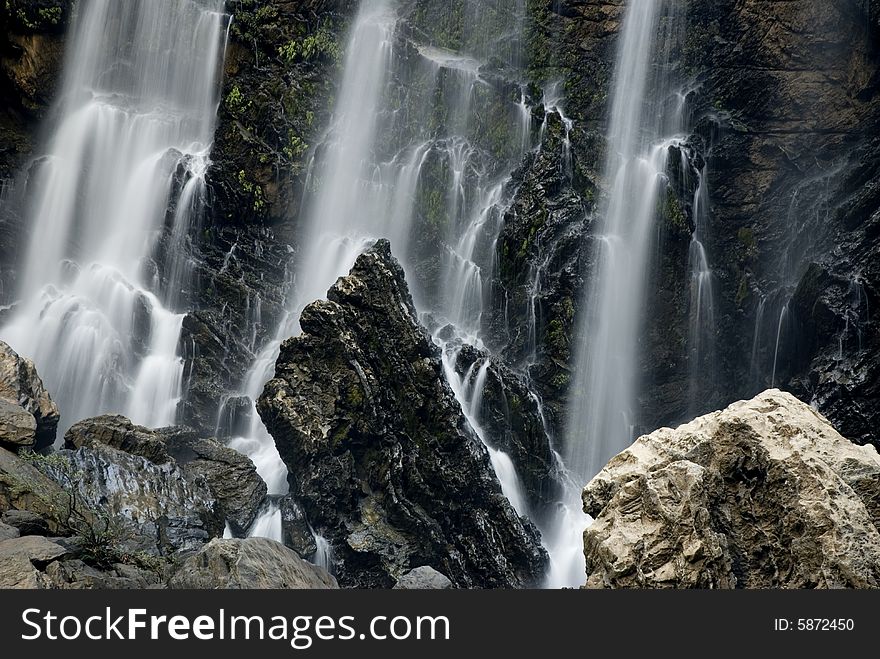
pixel 765 494
pixel 380 454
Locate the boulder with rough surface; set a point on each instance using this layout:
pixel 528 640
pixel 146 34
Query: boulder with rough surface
pixel 764 494
pixel 28 417
pixel 249 563
pixel 380 454
pixel 118 432
pixel 230 476
pixel 423 578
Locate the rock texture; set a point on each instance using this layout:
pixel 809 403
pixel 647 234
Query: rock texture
pixel 511 421
pixel 169 510
pixel 380 454
pixel 423 578
pixel 117 432
pixel 23 487
pixel 28 417
pixel 231 477
pixel 20 559
pixel 248 564
pixel 765 494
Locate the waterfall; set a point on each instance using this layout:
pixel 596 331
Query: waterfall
pixel 408 156
pixel 645 124
pixel 134 127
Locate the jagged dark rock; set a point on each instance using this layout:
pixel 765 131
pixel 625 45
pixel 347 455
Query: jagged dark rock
pixel 248 564
pixel 765 494
pixel 511 421
pixel 295 531
pixel 231 476
pixel 381 456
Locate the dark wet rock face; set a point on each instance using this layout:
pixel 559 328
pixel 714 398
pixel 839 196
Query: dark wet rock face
pixel 511 421
pixel 165 508
pixel 295 530
pixel 230 477
pixel 793 236
pixel 380 454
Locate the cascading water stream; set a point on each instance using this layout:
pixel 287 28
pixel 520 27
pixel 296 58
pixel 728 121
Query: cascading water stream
pixel 646 123
pixel 372 170
pixel 134 129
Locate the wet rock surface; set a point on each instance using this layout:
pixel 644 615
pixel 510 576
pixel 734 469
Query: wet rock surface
pixel 250 563
pixel 380 454
pixel 764 494
pixel 230 477
pixel 511 421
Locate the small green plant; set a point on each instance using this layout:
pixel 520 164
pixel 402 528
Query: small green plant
pixel 321 44
pixel 99 535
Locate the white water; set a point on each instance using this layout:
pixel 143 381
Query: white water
pixel 370 170
pixel 645 120
pixel 134 128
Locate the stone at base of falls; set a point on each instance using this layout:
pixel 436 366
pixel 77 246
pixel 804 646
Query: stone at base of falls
pixel 26 522
pixel 511 422
pixel 764 494
pixel 380 454
pixel 35 425
pixel 249 563
pixel 295 531
pixel 423 578
pixel 230 476
pixel 168 509
pixel 118 432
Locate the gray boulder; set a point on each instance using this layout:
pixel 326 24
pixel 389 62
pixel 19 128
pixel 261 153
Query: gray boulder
pixel 118 432
pixel 765 494
pixel 246 564
pixel 8 532
pixel 21 386
pixel 423 578
pixel 21 558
